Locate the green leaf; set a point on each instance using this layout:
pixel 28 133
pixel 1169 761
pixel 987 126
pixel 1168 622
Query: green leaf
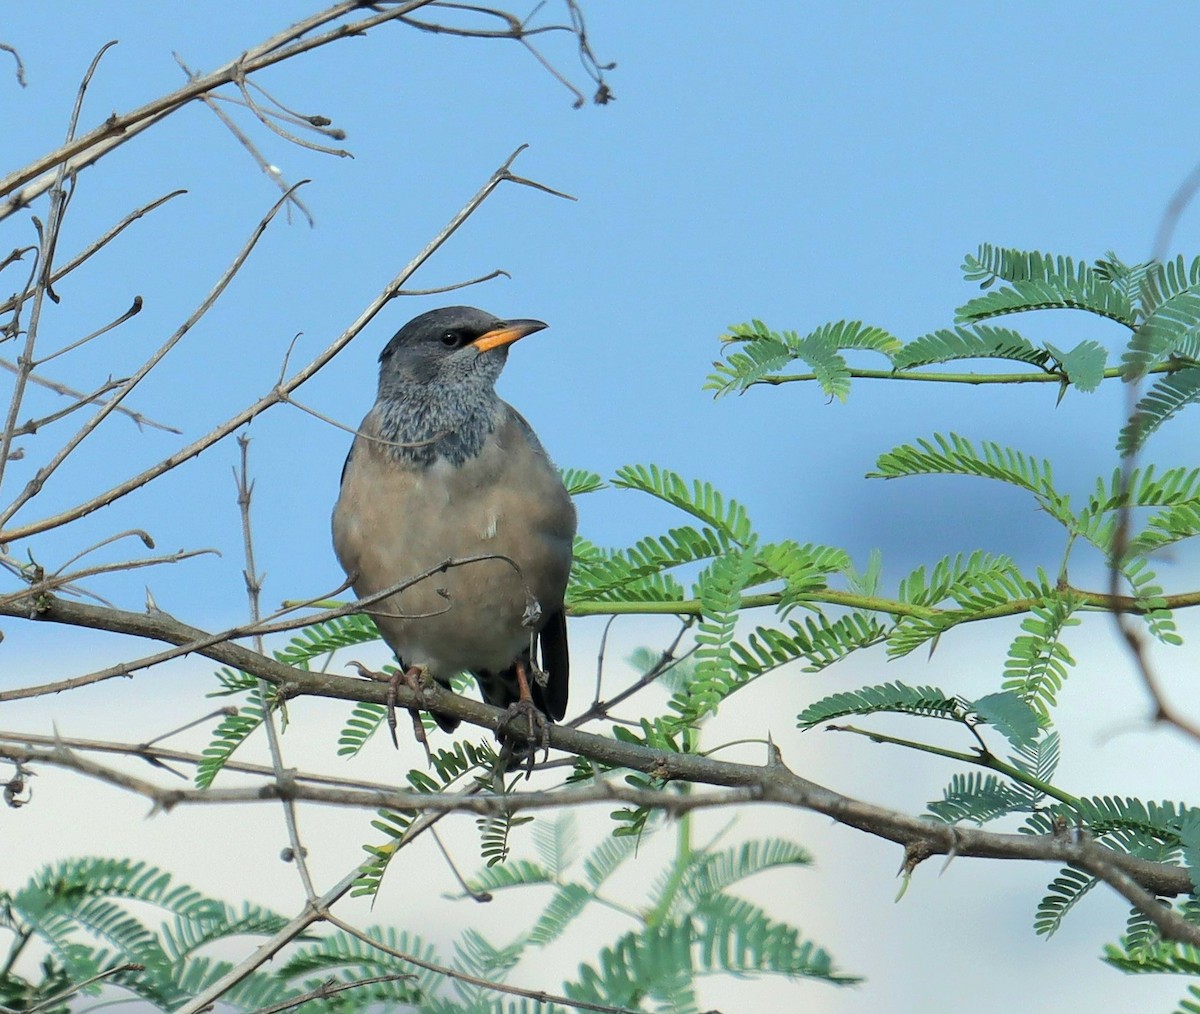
pixel 1038 760
pixel 737 937
pixel 981 342
pixel 897 697
pixel 804 568
pixel 710 872
pixel 579 481
pixel 1163 280
pixel 977 797
pixel 319 639
pixel 606 857
pixel 1169 395
pixel 754 352
pixel 1083 365
pixel 1062 895
pixel 1189 837
pixel 715 677
pixel 556 841
pixel 1040 282
pixel 1038 662
pixel 231 732
pixel 515 873
pixel 567 903
pixel 363 723
pixel 700 499
pixel 747 364
pixel 955 455
pixel 1169 329
pixel 1011 716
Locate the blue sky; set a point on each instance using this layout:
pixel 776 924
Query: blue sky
pixel 797 163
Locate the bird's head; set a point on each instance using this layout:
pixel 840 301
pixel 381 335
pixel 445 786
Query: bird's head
pixel 450 346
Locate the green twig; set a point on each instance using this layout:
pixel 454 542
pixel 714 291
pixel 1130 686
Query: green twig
pixel 976 379
pixel 979 758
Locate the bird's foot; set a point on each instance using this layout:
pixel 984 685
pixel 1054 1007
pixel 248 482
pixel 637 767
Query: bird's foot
pixel 412 677
pixel 525 712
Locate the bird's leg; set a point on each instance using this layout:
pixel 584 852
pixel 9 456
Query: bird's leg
pixel 524 705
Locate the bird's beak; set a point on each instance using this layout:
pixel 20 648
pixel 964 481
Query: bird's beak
pixel 507 333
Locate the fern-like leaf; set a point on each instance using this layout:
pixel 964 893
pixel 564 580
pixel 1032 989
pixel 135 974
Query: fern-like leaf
pixel 231 732
pixel 1038 660
pixel 700 499
pixel 1168 396
pixel 710 873
pixel 977 797
pixel 715 677
pixel 1040 282
pixel 1062 895
pixel 580 481
pixel 888 697
pixel 981 342
pixel 1170 329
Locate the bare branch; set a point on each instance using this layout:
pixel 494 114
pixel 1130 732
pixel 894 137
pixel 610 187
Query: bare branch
pixel 86 399
pixel 31 181
pixel 57 998
pixel 243 139
pixel 31 426
pixel 772 783
pixel 43 287
pixel 29 604
pixel 245 492
pixel 93 247
pixel 156 756
pixel 287 135
pixel 330 987
pixel 134 309
pixel 35 484
pixel 6 48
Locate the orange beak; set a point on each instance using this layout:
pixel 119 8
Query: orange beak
pixel 509 332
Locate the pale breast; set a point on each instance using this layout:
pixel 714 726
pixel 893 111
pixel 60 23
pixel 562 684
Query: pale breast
pixel 394 521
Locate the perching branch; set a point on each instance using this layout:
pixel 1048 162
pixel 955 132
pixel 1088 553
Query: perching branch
pixel 772 782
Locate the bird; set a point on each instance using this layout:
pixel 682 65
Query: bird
pixel 442 471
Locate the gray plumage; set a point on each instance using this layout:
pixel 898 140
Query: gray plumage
pixel 444 469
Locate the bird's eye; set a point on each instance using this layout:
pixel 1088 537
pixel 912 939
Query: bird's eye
pixel 451 339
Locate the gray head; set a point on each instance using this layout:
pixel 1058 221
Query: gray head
pixel 452 345
pixel 437 381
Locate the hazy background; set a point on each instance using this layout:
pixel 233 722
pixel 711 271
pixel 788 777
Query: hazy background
pixel 798 163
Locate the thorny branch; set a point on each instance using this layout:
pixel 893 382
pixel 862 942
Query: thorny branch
pixel 773 782
pixel 245 491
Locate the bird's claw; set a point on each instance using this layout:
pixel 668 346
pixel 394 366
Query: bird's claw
pixel 538 731
pixel 412 677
